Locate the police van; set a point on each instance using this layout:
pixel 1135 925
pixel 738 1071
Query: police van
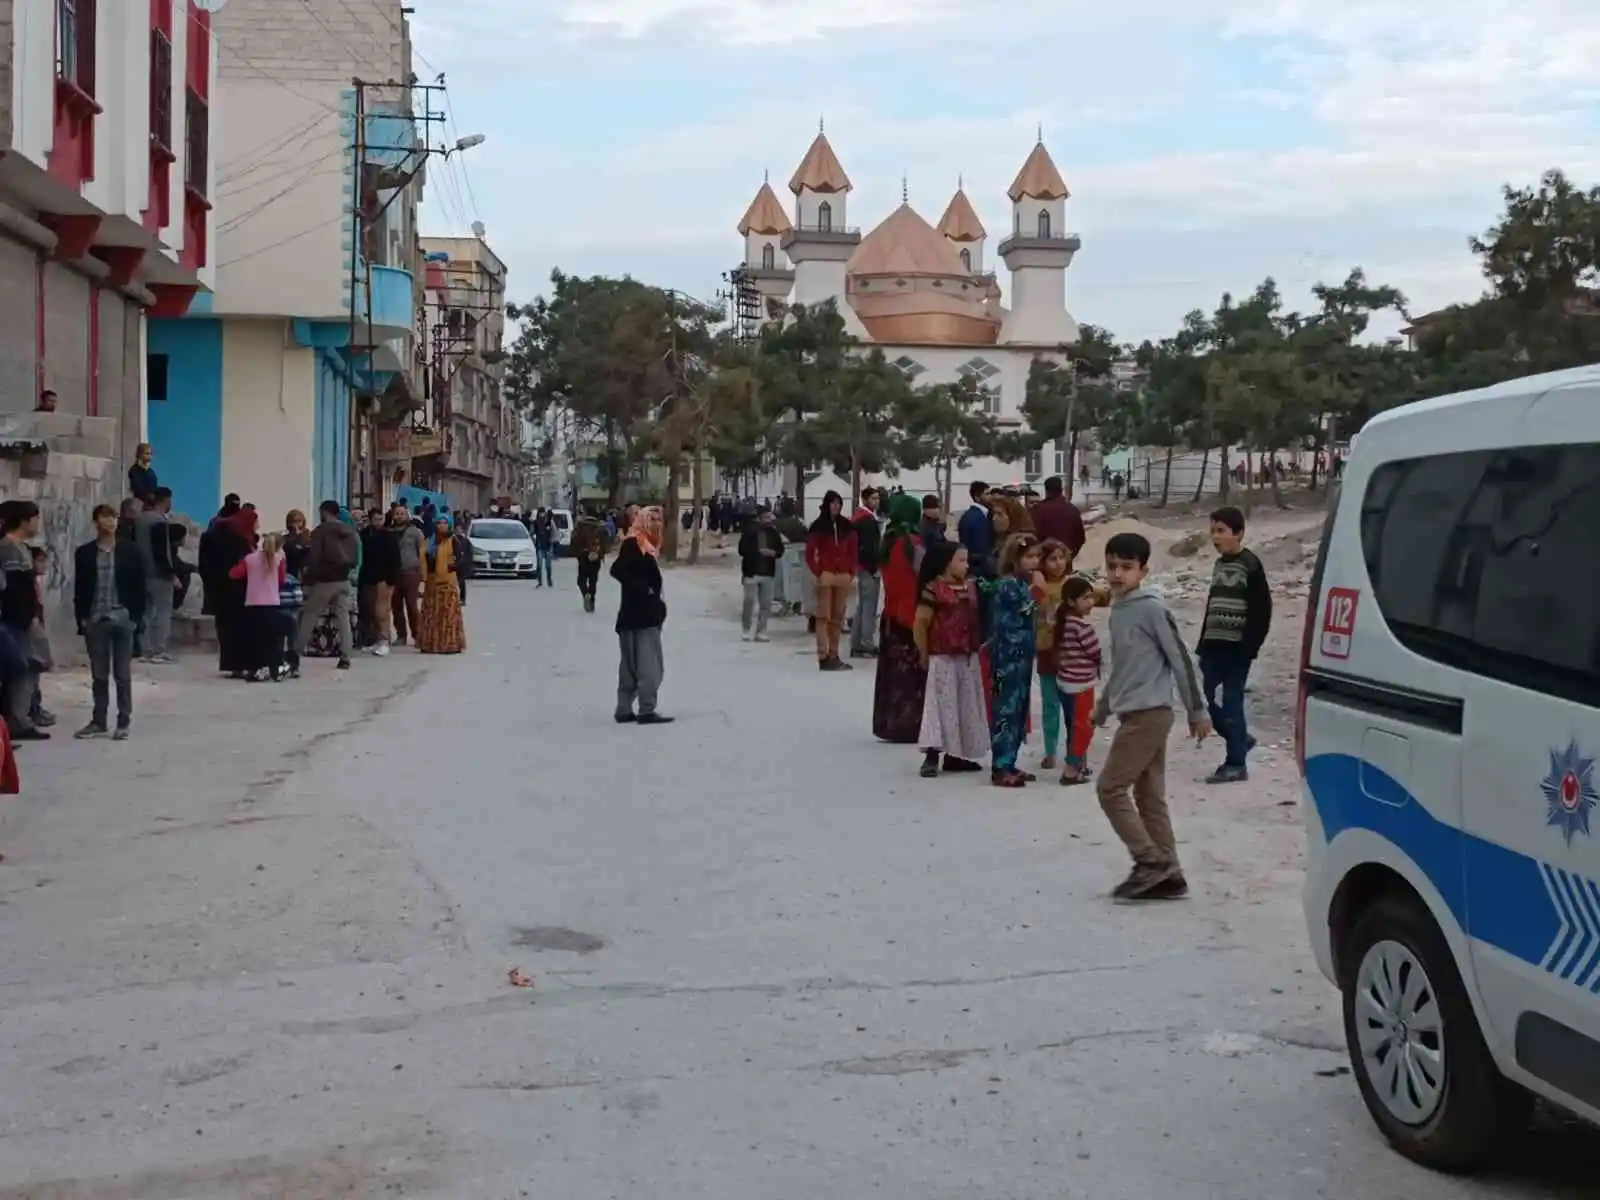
pixel 1448 730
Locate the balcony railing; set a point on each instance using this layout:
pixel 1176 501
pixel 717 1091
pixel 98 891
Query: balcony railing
pixel 197 143
pixel 825 227
pixel 160 90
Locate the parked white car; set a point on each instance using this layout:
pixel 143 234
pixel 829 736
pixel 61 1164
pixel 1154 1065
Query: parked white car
pixel 503 548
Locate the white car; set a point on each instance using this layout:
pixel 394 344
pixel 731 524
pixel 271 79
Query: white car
pixel 561 518
pixel 502 547
pixel 1448 731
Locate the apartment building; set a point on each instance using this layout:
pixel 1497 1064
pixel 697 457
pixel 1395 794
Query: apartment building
pixel 476 454
pixel 277 387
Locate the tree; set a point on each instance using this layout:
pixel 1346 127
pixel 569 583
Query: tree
pixel 946 425
pixel 853 427
pixel 800 359
pixel 1064 398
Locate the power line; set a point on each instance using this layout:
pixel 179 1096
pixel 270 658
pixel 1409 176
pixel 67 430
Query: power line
pixel 264 157
pixel 450 114
pixel 194 18
pixel 315 16
pixel 293 237
pixel 234 222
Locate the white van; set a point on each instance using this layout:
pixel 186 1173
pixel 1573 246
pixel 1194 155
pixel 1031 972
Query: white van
pixel 1448 731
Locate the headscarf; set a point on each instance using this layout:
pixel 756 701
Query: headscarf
pixel 640 531
pixel 226 513
pixel 905 515
pixel 433 531
pixel 1017 514
pixel 244 524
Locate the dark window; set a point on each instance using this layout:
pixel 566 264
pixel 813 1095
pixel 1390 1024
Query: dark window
pixel 824 215
pixel 160 89
pixel 966 259
pixel 75 43
pixel 768 259
pixel 1489 562
pixel 197 142
pixel 155 370
pixel 1044 222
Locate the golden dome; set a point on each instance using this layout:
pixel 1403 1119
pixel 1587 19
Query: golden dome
pixel 960 223
pixel 1039 179
pixel 819 170
pixel 765 215
pixel 905 244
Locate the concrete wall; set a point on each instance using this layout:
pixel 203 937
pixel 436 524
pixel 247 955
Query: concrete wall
pixel 268 417
pixel 7 71
pixel 186 422
pixel 33 63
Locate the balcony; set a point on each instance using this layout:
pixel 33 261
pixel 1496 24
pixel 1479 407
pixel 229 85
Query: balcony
pixel 1055 243
pixel 390 144
pixel 392 313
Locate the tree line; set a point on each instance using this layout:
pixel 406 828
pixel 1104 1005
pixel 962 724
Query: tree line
pixel 651 374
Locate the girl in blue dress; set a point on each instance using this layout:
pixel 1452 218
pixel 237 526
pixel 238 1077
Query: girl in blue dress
pixel 1013 598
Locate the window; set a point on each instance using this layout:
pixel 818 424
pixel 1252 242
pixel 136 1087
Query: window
pixel 966 259
pixel 909 367
pixel 1044 222
pixel 1033 465
pixel 1061 462
pixel 160 89
pixel 75 43
pixel 992 400
pixel 197 142
pixel 825 216
pixel 1487 562
pixel 768 259
pixel 155 372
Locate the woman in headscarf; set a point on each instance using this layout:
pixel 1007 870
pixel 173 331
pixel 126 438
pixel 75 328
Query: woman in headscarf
pixel 324 641
pixel 640 617
pixel 442 631
pixel 223 547
pixel 897 692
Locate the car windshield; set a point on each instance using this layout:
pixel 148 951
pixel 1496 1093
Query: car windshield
pixel 499 531
pixel 562 520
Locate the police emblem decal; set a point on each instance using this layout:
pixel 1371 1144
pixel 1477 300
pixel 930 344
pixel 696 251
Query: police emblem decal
pixel 1569 792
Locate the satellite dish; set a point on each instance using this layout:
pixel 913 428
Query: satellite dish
pixel 478 229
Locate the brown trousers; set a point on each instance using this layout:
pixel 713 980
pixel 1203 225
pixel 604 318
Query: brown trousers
pixel 405 605
pixel 376 603
pixel 1137 760
pixel 833 595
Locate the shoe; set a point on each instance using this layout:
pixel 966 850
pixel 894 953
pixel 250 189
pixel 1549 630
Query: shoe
pixel 121 735
pixel 161 659
pixel 32 735
pixel 840 665
pixel 92 730
pixel 344 664
pixel 746 636
pixel 44 718
pixel 1141 880
pixel 1228 774
pixel 626 718
pixel 826 664
pixel 1008 779
pixel 1047 763
pixel 930 765
pixel 1249 742
pixel 381 650
pixel 761 637
pixel 1174 888
pixel 653 719
pixel 294 672
pixel 1071 778
pixel 960 766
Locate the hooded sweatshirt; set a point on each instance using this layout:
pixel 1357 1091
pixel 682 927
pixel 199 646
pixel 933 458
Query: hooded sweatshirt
pixel 1148 660
pixel 831 543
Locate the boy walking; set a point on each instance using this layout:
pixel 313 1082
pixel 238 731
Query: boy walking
pixel 1238 616
pixel 108 597
pixel 1148 660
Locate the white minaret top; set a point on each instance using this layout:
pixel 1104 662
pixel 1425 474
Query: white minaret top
pixel 961 227
pixel 820 187
pixel 1038 253
pixel 821 242
pixel 762 227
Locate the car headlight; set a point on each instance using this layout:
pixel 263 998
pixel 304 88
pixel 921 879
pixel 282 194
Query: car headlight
pixel 525 556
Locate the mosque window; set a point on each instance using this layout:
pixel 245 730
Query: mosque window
pixel 768 260
pixel 825 216
pixel 909 367
pixel 1044 222
pixel 987 376
pixel 966 259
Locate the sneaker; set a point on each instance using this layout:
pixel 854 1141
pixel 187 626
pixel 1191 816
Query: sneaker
pixel 161 659
pixel 92 730
pixel 746 636
pixel 121 735
pixel 344 664
pixel 653 719
pixel 1141 880
pixel 761 637
pixel 381 650
pixel 45 718
pixel 1228 774
pixel 625 718
pixel 1173 888
pixel 930 765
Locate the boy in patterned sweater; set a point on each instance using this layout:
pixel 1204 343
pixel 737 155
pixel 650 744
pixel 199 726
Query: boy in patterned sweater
pixel 1238 616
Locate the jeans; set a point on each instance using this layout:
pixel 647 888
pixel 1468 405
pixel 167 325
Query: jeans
pixel 158 615
pixel 288 621
pixel 757 603
pixel 544 569
pixel 864 630
pixel 326 599
pixel 110 645
pixel 1227 673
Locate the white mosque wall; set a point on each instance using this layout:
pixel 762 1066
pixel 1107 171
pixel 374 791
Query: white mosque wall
pixel 1025 220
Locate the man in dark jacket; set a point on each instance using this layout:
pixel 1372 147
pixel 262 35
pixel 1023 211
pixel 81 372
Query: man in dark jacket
pixel 380 575
pixel 19 609
pixel 108 598
pixel 589 544
pixel 1057 517
pixel 335 548
pixel 869 542
pixel 760 548
pixel 640 617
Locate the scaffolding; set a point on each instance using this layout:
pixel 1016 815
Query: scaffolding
pixel 745 314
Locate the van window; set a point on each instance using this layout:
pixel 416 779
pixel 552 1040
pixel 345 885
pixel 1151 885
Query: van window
pixel 1489 561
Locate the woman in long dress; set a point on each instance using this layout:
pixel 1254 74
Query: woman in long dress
pixel 442 630
pixel 897 693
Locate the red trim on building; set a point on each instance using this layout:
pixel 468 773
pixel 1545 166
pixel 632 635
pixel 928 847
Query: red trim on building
pixel 71 156
pixel 74 234
pixel 197 142
pixel 157 214
pixel 124 262
pixel 92 403
pixel 172 299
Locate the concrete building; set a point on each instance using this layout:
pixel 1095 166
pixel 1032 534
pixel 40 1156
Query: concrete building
pixel 106 186
pixel 925 294
pixel 277 388
pixel 474 455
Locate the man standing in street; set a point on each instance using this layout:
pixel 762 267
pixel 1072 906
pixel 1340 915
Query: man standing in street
pixel 108 596
pixel 19 609
pixel 1056 517
pixel 155 555
pixel 380 575
pixel 405 602
pixel 760 548
pixel 869 540
pixel 335 548
pixel 976 529
pixel 544 546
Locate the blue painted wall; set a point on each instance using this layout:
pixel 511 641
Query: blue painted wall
pixel 186 426
pixel 330 445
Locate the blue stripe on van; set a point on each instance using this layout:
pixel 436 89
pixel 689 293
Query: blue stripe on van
pixel 1533 911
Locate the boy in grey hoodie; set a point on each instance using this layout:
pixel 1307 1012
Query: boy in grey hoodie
pixel 1148 661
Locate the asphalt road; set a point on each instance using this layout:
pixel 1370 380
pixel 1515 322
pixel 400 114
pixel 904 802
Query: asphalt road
pixel 269 957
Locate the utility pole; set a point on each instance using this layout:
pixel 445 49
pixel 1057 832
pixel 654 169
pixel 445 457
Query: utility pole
pixel 358 159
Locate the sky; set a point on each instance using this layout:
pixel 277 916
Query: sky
pixel 1206 143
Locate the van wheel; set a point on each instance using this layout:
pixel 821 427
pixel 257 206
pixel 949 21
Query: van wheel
pixel 1419 1057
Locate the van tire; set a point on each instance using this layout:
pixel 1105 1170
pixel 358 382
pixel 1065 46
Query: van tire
pixel 1480 1108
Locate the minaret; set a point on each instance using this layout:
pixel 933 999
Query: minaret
pixel 1037 254
pixel 961 227
pixel 821 241
pixel 766 266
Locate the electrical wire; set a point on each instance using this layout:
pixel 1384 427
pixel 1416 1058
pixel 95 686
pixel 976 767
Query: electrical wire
pixel 257 68
pixel 455 134
pixel 234 222
pixel 315 16
pixel 293 237
pixel 265 157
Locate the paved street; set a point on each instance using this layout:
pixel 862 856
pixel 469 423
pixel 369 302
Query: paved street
pixel 262 950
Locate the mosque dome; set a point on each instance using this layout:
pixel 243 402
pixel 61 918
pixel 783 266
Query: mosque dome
pixel 908 286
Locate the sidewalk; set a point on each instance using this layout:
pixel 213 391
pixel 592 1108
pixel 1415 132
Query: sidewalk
pixel 124 859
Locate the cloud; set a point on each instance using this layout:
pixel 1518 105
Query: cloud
pixel 1207 142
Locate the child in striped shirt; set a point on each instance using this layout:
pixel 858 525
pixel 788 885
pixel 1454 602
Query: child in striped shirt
pixel 1078 662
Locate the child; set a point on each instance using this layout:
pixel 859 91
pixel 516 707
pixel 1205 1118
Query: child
pixel 291 599
pixel 1075 671
pixel 1012 650
pixel 1238 616
pixel 39 641
pixel 1054 564
pixel 1148 658
pixel 948 636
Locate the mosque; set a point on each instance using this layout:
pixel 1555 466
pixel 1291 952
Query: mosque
pixel 927 295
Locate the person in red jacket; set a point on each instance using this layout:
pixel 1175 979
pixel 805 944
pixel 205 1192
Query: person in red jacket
pixel 1057 518
pixel 831 556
